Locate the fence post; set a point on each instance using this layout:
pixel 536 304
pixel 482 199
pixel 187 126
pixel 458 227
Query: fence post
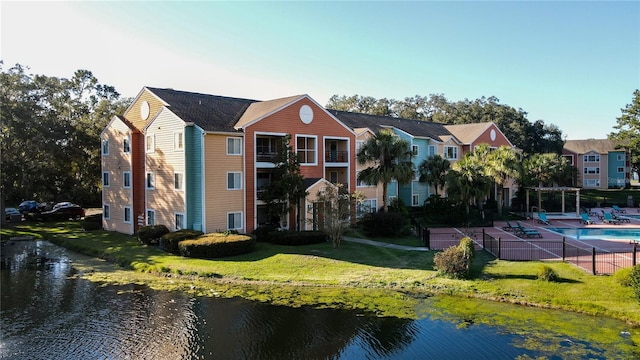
pixel 427 238
pixel 483 247
pixel 499 245
pixel 593 260
pixel 564 248
pixel 635 252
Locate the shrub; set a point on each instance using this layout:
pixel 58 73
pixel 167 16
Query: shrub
pixel 151 234
pixel 216 245
pixel 297 237
pixel 169 242
pixel 546 273
pixel 263 233
pixel 634 281
pixel 92 222
pixel 455 261
pixel 385 224
pixel 623 276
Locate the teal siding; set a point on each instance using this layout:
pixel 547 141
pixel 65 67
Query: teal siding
pixel 615 179
pixel 194 138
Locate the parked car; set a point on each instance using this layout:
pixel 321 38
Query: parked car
pixel 28 206
pixel 12 214
pixel 62 204
pixel 74 212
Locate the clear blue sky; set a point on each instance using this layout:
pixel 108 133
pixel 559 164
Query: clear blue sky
pixel 573 64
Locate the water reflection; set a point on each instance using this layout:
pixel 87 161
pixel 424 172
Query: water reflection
pixel 48 313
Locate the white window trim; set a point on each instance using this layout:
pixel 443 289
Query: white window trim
pixel 146 220
pixel 415 200
pixel 178 135
pixel 315 149
pixel 106 211
pixel 146 180
pixel 124 183
pixel 239 213
pixel 445 152
pixel 227 149
pixel 174 181
pixel 239 181
pixel 150 143
pixel 175 223
pixel 108 179
pixel 124 213
pixel 620 169
pixel 433 150
pixel 415 149
pixel 105 141
pixel 621 157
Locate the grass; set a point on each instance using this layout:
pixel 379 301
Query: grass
pixel 381 280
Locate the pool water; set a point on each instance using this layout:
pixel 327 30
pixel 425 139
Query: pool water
pixel 599 233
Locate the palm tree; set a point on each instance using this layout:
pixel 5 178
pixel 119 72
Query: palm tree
pixel 391 159
pixel 433 171
pixel 467 180
pixel 502 165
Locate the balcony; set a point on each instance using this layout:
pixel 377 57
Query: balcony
pixel 334 156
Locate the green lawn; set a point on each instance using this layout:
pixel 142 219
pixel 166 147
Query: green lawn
pixel 376 279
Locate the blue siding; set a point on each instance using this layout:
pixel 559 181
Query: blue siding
pixel 614 178
pixel 193 173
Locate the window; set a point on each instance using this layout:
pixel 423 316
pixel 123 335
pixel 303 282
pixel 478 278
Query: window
pixel 151 217
pixel 126 179
pixel 106 211
pixel 105 179
pixel 126 145
pixel 333 177
pixel 591 170
pixel 592 158
pixel 179 221
pixel 591 182
pixel 178 181
pixel 234 181
pixel 234 146
pixel 415 200
pixel 359 144
pixel 105 147
pixel 414 148
pixel 151 143
pixel 620 170
pixel 360 183
pixel 127 214
pixel 432 150
pixel 151 180
pixel 234 221
pixel 306 149
pixel 178 141
pixel 368 206
pixel 620 157
pixel 450 152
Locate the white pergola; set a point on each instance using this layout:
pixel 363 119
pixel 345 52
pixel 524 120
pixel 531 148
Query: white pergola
pixel 563 190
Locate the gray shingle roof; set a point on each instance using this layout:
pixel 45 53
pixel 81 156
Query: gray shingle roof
pixel 600 146
pixel 377 122
pixel 210 112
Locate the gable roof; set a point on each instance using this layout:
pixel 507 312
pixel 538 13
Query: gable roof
pixel 209 112
pixel 416 128
pixel 126 122
pixel 468 133
pixel 600 146
pixel 261 109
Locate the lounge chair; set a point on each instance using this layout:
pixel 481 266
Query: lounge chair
pixel 608 218
pixel 542 218
pixel 585 219
pixel 621 218
pixel 617 209
pixel 528 232
pixel 509 227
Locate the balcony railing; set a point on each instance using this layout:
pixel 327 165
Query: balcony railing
pixel 266 157
pixel 336 156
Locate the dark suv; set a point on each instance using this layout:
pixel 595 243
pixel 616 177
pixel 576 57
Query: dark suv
pixel 74 212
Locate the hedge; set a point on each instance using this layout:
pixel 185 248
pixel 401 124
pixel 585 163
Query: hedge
pixel 216 245
pixel 92 222
pixel 169 242
pixel 151 234
pixel 285 237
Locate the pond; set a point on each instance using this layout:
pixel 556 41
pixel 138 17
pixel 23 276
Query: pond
pixel 49 312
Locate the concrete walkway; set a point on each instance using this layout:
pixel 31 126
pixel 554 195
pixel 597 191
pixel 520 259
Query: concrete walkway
pixel 384 244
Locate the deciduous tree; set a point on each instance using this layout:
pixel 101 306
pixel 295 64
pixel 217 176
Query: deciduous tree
pixel 628 130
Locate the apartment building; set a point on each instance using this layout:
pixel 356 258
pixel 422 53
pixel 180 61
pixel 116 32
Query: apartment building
pixel 598 163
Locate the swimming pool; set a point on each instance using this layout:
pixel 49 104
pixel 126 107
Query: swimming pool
pixel 599 233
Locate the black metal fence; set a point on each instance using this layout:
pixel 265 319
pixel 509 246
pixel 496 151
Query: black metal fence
pixel 596 261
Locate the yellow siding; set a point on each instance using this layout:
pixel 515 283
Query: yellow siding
pixel 369 192
pixel 133 113
pixel 164 162
pixel 218 200
pixel 116 163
